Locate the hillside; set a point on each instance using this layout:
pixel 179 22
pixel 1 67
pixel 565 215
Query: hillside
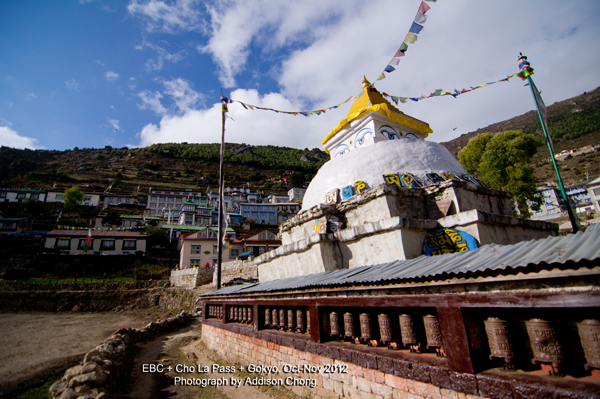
pixel 169 165
pixel 573 123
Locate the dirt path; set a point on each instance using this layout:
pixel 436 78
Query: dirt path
pixel 185 347
pixel 32 343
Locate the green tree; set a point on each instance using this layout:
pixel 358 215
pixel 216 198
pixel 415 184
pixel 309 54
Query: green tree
pixel 72 197
pixel 502 162
pixel 112 218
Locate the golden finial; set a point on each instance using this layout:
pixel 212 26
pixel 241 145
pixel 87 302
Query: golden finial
pixel 365 82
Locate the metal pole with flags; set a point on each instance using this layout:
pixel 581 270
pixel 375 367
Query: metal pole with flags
pixel 220 232
pixel 88 240
pixel 525 74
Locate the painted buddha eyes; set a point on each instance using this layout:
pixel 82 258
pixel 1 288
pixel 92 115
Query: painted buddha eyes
pixel 362 136
pixel 341 150
pixel 389 132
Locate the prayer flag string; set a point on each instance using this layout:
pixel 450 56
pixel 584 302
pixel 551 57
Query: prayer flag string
pixel 395 99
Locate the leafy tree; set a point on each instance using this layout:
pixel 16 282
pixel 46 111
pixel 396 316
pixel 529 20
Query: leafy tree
pixel 297 179
pixel 32 207
pixel 72 197
pixel 502 162
pixel 156 236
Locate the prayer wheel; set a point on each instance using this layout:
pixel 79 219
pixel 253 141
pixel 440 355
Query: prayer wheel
pixel 433 331
pixel 544 344
pixel 366 329
pixel 385 328
pixel 308 321
pixel 231 313
pixel 244 314
pixel 291 320
pixel 334 323
pixel 349 326
pixel 249 317
pixel 300 325
pixel 408 330
pixel 274 318
pixel 282 319
pixel 589 331
pixel 236 313
pixel 499 339
pixel 267 317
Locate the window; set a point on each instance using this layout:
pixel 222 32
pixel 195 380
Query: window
pixel 87 198
pixel 107 245
pixel 596 191
pixel 35 196
pixel 21 195
pixel 81 244
pixel 110 200
pixel 3 194
pixel 130 245
pixel 171 199
pixel 9 226
pixel 196 248
pixel 234 253
pixel 261 250
pixel 58 197
pixel 195 261
pixel 63 243
pixel 215 249
pixel 214 262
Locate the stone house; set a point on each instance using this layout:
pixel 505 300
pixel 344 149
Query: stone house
pixel 200 247
pixel 105 242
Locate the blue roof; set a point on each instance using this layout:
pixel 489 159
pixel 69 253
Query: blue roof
pixel 549 251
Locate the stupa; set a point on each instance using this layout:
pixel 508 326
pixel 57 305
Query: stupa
pixel 387 194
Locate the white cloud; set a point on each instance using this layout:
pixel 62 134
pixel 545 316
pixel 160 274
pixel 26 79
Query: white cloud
pixel 115 124
pixel 321 50
pixel 152 101
pixel 255 127
pixel 72 84
pixel 10 138
pixel 30 95
pixel 111 76
pixel 131 83
pixel 184 96
pixel 162 56
pixel 171 18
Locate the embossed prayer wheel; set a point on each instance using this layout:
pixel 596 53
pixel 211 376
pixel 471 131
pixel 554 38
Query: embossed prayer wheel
pixel 282 319
pixel 220 312
pixel 244 314
pixel 291 319
pixel 349 326
pixel 385 327
pixel 366 329
pixel 236 314
pixel 300 325
pixel 231 313
pixel 433 331
pixel 499 339
pixel 544 343
pixel 589 331
pixel 308 321
pixel 274 318
pixel 267 317
pixel 249 317
pixel 334 322
pixel 408 330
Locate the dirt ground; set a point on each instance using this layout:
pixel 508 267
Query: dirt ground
pixel 33 343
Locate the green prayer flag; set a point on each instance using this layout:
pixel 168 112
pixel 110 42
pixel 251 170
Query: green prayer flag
pixel 403 47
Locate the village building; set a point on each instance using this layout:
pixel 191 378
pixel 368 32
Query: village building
pixel 413 279
pixel 21 194
pixel 105 242
pixel 295 194
pixel 13 225
pixel 199 248
pixel 89 198
pixel 110 199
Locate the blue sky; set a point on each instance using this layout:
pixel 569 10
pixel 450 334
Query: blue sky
pixel 91 73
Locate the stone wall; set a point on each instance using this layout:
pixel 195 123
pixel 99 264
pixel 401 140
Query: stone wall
pixel 236 268
pixel 192 277
pixel 368 381
pixel 100 370
pixel 18 297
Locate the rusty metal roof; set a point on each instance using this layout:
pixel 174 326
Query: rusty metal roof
pixel 549 251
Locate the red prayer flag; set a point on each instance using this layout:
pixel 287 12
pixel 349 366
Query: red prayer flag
pixel 424 7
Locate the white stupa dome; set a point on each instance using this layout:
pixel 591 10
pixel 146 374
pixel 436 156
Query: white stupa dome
pixel 370 163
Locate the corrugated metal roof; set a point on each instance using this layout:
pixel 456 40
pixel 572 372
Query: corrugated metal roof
pixel 552 250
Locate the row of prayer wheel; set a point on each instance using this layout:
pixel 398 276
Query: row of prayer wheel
pixel 365 331
pixel 291 320
pixel 240 314
pixel 215 311
pixel 543 340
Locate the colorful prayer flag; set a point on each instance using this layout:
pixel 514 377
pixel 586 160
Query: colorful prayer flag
pixel 399 54
pixel 382 76
pixel 415 28
pixel 424 7
pixel 403 47
pixel 395 61
pixel 410 37
pixel 389 69
pixel 420 18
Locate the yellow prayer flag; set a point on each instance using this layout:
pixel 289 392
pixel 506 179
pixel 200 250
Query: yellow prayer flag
pixel 381 77
pixel 410 38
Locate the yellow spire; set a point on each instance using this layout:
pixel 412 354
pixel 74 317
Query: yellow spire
pixel 369 99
